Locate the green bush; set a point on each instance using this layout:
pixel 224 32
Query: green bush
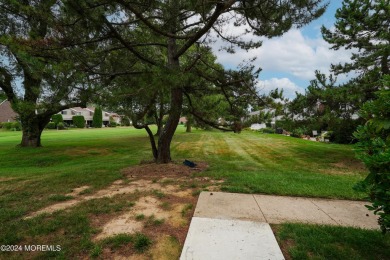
pixel 374 151
pixel 60 126
pixel 126 121
pixel 112 124
pixel 12 126
pixel 57 118
pixel 16 126
pixel 51 125
pixel 7 125
pixel 297 132
pixel 267 130
pixel 97 120
pixel 79 121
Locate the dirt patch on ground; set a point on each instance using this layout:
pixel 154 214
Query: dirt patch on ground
pixel 123 224
pixel 166 197
pixel 163 170
pixel 149 206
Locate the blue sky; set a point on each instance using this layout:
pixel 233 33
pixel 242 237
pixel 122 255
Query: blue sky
pixel 289 61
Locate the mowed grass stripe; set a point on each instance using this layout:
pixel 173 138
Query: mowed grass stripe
pixel 271 164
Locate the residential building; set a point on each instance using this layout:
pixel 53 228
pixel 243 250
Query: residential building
pixel 87 113
pixel 7 114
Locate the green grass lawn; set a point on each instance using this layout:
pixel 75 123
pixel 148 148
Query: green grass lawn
pixel 31 179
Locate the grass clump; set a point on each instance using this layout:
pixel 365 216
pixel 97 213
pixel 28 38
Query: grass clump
pixel 118 240
pixel 140 217
pixel 60 197
pixel 158 194
pixel 186 209
pixel 153 221
pixel 141 242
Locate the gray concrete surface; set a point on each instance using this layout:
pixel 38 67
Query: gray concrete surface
pixel 280 209
pixel 223 205
pixel 236 226
pixel 225 239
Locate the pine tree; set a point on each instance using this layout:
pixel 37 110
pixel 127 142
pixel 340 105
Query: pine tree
pixel 97 120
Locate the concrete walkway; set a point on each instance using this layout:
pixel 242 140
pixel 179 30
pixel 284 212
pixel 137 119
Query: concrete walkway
pixel 236 226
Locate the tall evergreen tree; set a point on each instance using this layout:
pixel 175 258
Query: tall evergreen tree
pixel 31 50
pixel 363 26
pixel 169 29
pixel 97 120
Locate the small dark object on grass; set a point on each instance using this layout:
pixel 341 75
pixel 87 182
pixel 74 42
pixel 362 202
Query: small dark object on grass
pixel 189 163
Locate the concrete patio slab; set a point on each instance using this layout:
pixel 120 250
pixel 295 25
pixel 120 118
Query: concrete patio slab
pixel 348 213
pixel 224 239
pixel 222 205
pixel 278 209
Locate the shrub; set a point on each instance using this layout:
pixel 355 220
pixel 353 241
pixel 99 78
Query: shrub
pixel 7 125
pixel 97 120
pixel 79 121
pixel 126 121
pixel 16 126
pixel 13 126
pixel 57 118
pixel 60 126
pixel 51 125
pixel 267 130
pixel 297 132
pixel 374 151
pixel 112 124
pixel 1 125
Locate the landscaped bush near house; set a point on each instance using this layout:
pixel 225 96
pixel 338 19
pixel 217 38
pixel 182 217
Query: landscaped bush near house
pixel 112 124
pixel 298 132
pixel 51 125
pixel 7 125
pixel 79 121
pixel 57 118
pixel 267 130
pixel 125 121
pixel 12 126
pixel 60 126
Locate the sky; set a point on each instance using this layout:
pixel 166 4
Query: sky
pixel 290 61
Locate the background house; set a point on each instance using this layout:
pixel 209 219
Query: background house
pixel 7 114
pixel 88 112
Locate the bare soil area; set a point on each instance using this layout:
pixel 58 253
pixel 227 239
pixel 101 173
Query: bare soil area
pixel 167 196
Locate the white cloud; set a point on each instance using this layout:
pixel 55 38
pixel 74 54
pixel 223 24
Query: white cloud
pixel 289 87
pixel 292 53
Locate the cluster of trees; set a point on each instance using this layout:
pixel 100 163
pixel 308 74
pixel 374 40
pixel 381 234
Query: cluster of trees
pixel 153 58
pixel 362 26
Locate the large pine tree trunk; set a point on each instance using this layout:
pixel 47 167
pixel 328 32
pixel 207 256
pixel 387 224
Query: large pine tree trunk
pixel 176 103
pixel 164 142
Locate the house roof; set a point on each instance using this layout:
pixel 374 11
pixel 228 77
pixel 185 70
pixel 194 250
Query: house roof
pixel 7 114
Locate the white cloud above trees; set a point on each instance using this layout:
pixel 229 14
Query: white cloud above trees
pixel 289 87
